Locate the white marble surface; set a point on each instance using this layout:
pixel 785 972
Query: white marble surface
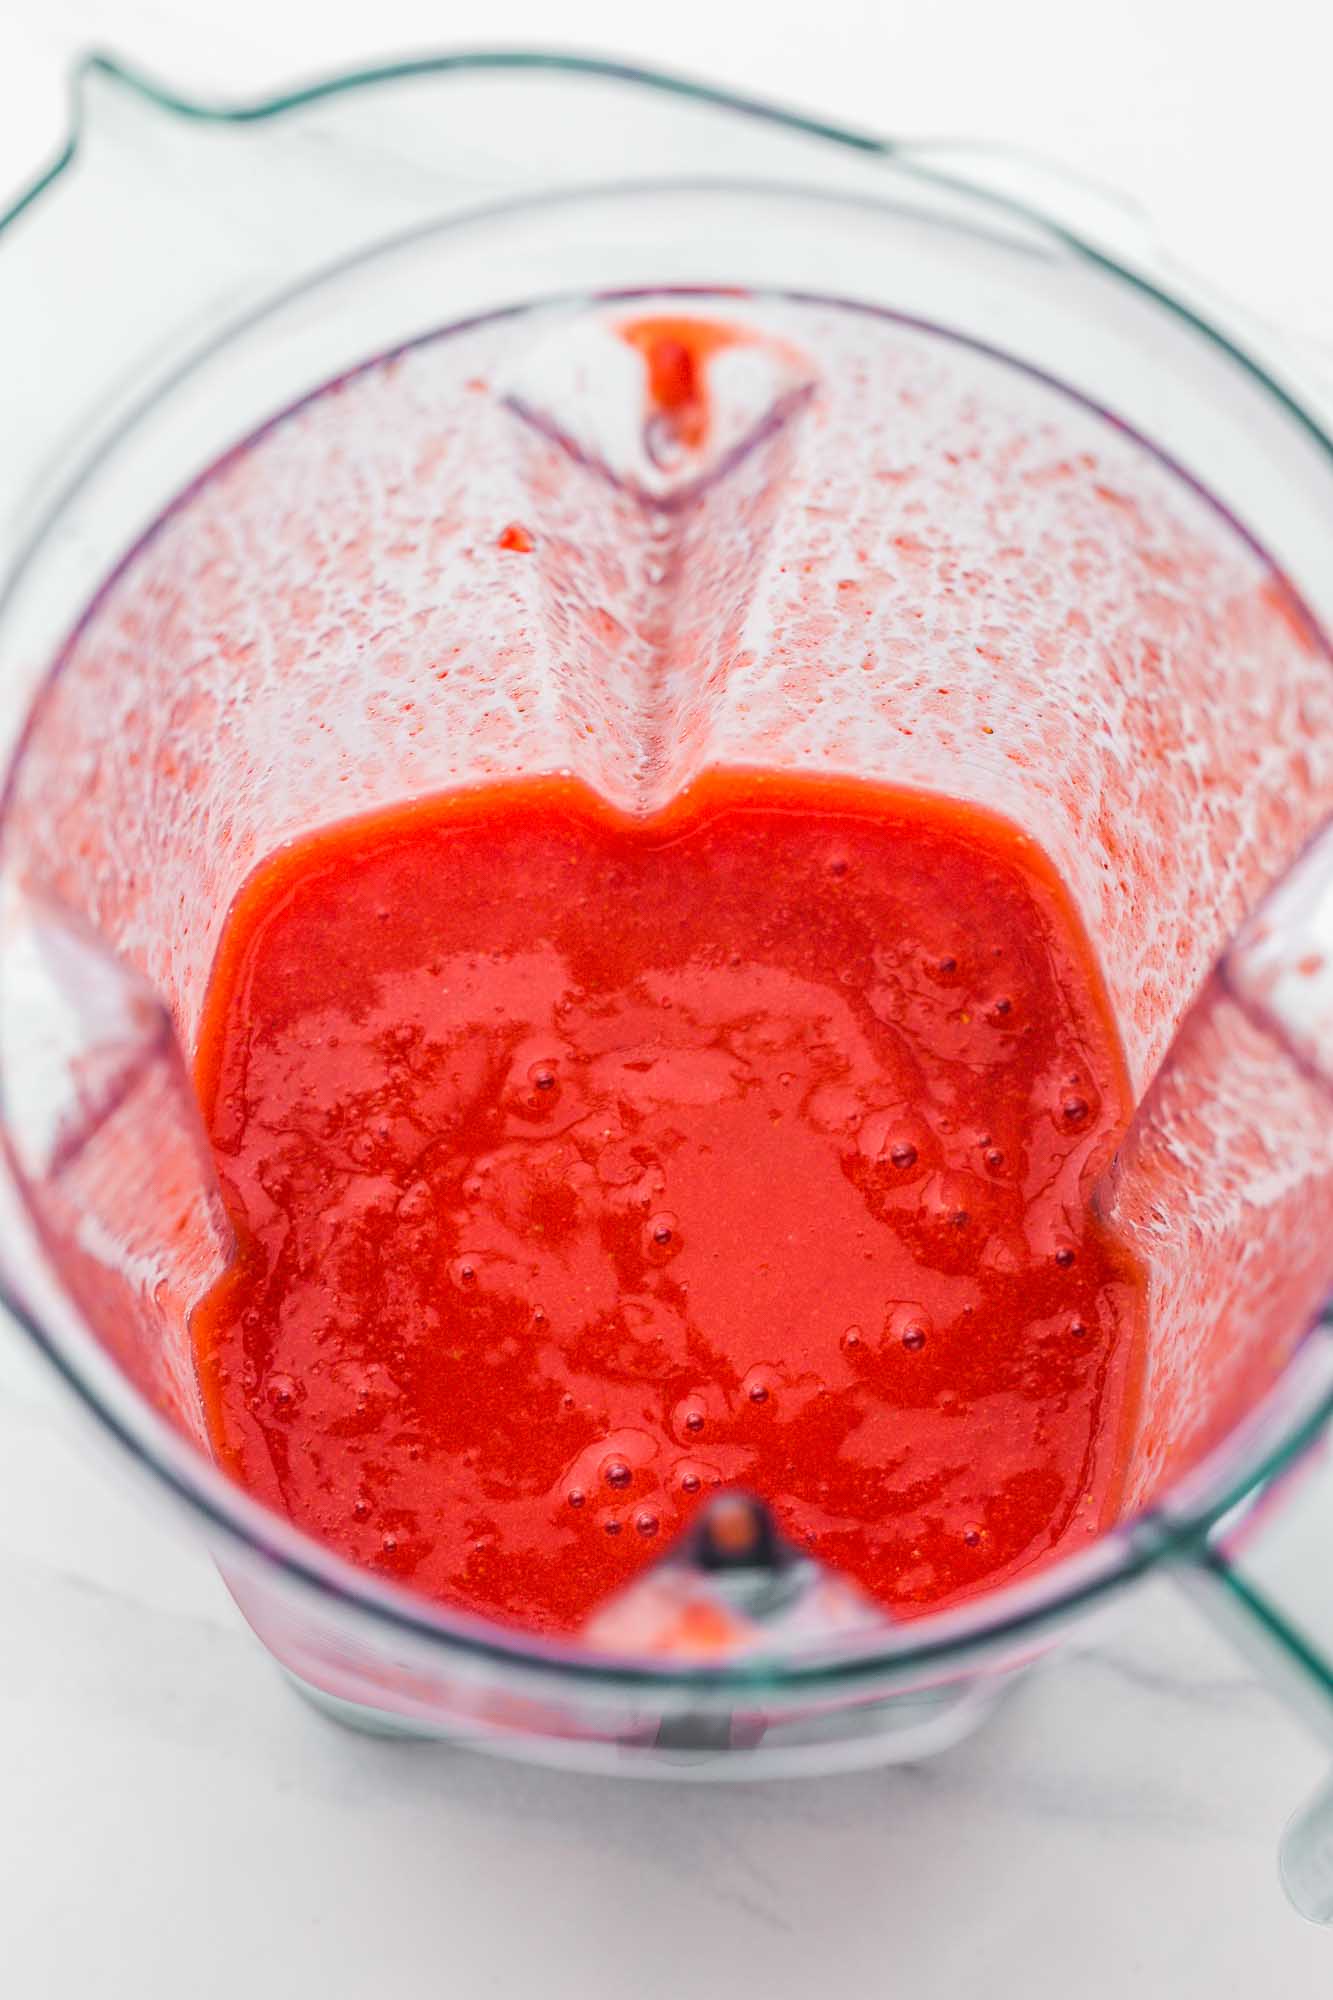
pixel 174 1822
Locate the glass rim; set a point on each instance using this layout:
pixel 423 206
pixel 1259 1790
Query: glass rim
pixel 1267 1440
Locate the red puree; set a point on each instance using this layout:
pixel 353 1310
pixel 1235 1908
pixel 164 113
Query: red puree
pixel 582 1165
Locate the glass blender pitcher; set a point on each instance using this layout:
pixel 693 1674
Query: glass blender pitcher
pixel 361 493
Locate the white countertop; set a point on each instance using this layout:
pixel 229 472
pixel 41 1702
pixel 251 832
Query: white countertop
pixel 173 1821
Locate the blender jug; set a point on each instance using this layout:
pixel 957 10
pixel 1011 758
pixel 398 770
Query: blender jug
pixel 801 451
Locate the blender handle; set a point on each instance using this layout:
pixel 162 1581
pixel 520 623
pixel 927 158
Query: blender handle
pixel 1034 183
pixel 1263 1589
pixel 1104 219
pixel 1267 1592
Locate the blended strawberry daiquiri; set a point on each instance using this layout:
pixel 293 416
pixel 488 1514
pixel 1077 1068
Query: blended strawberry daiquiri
pixel 583 1165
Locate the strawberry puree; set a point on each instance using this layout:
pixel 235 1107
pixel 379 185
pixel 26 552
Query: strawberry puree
pixel 584 1164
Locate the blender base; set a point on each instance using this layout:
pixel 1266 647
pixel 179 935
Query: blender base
pixel 900 1729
